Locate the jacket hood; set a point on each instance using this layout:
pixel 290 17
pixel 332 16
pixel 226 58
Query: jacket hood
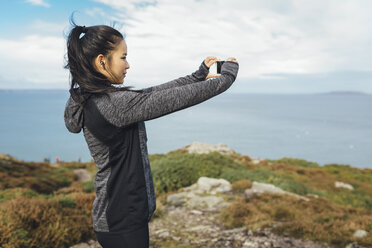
pixel 74 118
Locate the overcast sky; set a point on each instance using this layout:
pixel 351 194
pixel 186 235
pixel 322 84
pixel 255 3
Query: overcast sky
pixel 286 46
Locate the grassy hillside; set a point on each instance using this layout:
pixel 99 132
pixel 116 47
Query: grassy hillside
pixel 44 206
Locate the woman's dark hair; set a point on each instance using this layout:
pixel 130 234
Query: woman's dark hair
pixel 81 53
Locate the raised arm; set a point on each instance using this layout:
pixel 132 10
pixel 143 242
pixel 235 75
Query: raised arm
pixel 131 107
pixel 198 75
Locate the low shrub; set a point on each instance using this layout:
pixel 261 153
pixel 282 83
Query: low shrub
pixel 258 175
pixel 67 202
pixel 318 219
pixel 298 162
pixel 39 177
pixel 38 222
pixel 241 185
pixel 88 186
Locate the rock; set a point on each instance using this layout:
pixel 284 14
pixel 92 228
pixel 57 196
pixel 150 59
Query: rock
pixel 313 195
pixel 343 185
pixel 164 234
pixel 81 245
pixel 234 230
pixel 82 175
pixel 196 212
pixel 210 202
pixel 250 244
pixel 4 156
pixel 259 188
pixel 178 199
pixel 267 244
pixel 200 228
pixel 360 233
pixel 192 195
pixel 192 187
pixel 265 188
pixel 94 244
pixel 200 148
pixel 212 185
pixel 91 244
pixel 176 238
pixel 256 160
pixel 353 245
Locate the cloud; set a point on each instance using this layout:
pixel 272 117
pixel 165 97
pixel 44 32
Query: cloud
pixel 48 28
pixel 128 5
pixel 39 3
pixel 273 41
pixel 293 37
pixel 94 12
pixel 33 60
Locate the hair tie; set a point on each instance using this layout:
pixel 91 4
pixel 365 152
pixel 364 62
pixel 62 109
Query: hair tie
pixel 84 29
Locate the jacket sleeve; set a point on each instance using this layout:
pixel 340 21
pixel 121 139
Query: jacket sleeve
pixel 198 75
pixel 130 107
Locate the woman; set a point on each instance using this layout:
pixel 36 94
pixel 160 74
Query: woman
pixel 112 119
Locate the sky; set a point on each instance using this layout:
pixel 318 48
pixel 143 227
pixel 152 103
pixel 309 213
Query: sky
pixel 282 46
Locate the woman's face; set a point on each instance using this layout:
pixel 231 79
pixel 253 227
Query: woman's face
pixel 119 65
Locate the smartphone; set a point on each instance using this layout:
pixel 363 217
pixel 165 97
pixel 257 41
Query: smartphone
pixel 219 65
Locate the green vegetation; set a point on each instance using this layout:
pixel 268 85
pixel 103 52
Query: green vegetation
pixel 178 170
pixel 45 206
pixel 88 186
pixel 297 162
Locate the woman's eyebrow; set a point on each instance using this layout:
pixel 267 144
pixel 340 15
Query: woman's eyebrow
pixel 124 53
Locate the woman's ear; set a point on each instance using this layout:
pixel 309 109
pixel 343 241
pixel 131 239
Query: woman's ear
pixel 99 63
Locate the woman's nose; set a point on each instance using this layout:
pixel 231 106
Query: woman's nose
pixel 128 65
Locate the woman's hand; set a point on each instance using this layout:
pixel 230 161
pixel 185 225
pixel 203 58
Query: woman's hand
pixel 232 59
pixel 209 61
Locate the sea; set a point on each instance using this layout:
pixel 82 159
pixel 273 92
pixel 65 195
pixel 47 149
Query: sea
pixel 324 128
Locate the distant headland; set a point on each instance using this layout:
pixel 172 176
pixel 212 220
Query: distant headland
pixel 341 92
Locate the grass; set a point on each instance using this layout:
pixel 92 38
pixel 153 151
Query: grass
pixel 318 220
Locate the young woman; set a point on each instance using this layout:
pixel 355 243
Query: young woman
pixel 112 119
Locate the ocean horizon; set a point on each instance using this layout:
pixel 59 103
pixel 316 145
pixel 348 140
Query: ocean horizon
pixel 333 127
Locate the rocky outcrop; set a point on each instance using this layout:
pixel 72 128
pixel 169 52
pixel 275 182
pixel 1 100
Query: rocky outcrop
pixel 91 244
pixel 4 156
pixel 259 188
pixel 207 185
pixel 360 234
pixel 201 194
pixel 343 185
pixel 82 175
pixel 200 148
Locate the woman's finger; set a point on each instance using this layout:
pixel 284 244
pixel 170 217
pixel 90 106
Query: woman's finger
pixel 232 59
pixel 212 75
pixel 210 59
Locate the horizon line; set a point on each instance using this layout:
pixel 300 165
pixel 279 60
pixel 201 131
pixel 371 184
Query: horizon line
pixel 336 92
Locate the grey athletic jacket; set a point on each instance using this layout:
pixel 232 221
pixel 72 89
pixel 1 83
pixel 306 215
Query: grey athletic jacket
pixel 115 132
